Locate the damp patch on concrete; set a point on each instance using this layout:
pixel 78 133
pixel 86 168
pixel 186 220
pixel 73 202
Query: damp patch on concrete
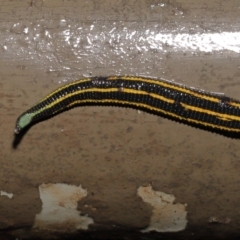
pixel 3 193
pixel 59 208
pixel 166 215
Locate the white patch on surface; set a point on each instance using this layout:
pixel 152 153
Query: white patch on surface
pixel 221 220
pixel 59 208
pixel 203 42
pixel 9 195
pixel 166 215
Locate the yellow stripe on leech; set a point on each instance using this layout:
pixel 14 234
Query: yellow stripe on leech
pixel 173 86
pixel 234 104
pixel 157 110
pixel 222 116
pixel 127 90
pixel 66 86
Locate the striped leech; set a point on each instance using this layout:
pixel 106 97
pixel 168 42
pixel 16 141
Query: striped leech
pixel 178 102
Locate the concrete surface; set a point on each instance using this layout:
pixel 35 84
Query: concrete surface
pixel 88 165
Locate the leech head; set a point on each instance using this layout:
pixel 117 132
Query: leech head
pixel 22 122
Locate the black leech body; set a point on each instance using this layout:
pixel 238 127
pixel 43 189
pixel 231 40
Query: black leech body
pixel 169 99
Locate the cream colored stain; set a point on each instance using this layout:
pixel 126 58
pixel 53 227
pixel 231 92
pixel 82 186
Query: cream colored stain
pixel 59 208
pixel 3 193
pixel 166 215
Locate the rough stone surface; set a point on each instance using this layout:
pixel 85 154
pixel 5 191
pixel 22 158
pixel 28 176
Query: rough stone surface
pixel 112 151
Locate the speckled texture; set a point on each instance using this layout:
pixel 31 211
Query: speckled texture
pixel 112 151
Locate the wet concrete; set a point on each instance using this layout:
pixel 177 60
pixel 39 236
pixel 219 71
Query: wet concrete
pixel 110 151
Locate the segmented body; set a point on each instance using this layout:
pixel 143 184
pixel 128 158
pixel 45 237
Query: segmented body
pixel 167 98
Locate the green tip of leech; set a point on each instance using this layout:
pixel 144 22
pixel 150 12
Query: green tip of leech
pixel 22 122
